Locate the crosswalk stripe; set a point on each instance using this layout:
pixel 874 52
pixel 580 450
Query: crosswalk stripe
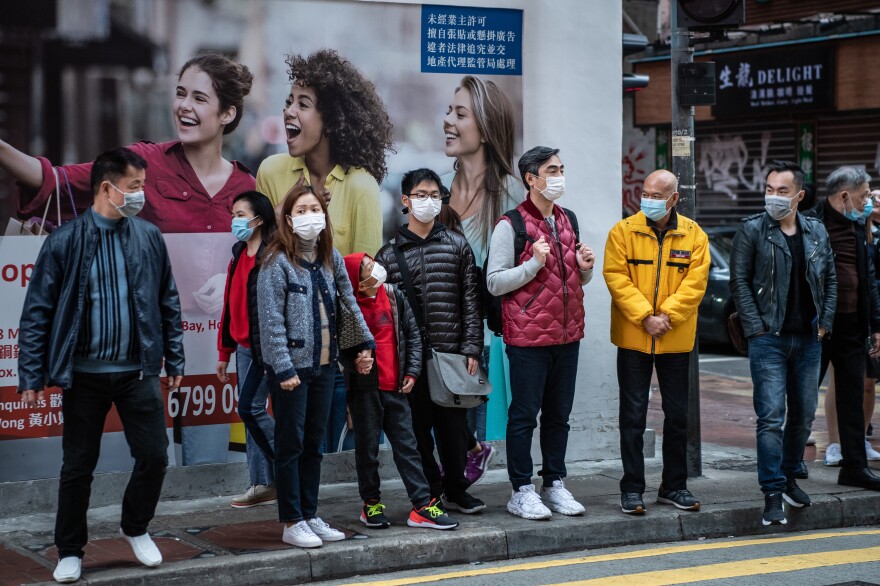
pixel 642 553
pixel 750 567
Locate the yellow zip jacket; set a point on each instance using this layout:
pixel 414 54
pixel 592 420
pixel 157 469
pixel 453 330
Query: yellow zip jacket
pixel 646 277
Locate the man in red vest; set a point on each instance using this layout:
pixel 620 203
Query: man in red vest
pixel 540 269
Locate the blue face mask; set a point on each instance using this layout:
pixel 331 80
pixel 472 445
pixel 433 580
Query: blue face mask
pixel 654 209
pixel 869 207
pixel 241 230
pixel 853 213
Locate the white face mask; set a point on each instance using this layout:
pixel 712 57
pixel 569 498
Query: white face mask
pixel 379 273
pixel 308 226
pixel 132 202
pixel 425 210
pixel 778 207
pixel 555 188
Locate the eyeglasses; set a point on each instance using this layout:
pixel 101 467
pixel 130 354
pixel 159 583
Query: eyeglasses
pixel 422 195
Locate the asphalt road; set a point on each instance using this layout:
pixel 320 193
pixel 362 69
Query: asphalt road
pixel 727 364
pixel 838 556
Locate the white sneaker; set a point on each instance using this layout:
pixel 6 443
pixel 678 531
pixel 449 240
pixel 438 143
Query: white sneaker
pixel 324 531
pixel 560 500
pixel 300 535
pixel 527 504
pixel 833 455
pixel 144 549
pixel 811 441
pixel 870 452
pixel 68 570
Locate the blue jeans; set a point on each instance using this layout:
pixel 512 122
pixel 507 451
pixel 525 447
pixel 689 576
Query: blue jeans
pixel 253 392
pixel 542 379
pixel 338 420
pixel 774 360
pixel 300 422
pixel 141 408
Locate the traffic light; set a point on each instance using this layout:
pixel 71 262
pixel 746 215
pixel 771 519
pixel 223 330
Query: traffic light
pixel 633 82
pixel 710 15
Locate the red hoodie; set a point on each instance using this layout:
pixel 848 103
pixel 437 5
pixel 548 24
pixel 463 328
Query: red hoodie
pixel 377 314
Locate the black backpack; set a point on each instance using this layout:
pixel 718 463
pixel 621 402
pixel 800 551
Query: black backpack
pixel 492 303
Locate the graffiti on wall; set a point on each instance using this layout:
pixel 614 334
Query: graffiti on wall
pixel 637 163
pixel 724 161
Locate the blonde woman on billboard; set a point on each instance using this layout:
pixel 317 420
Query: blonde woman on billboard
pixel 337 135
pixel 479 128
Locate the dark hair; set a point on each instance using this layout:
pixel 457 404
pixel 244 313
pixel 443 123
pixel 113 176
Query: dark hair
pixel 286 242
pixel 450 218
pixel 355 120
pixel 532 160
pixel 416 176
pixel 231 82
pixel 113 164
pixel 262 208
pixel 778 166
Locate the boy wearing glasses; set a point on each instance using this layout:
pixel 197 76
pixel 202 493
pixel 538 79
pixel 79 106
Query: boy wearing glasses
pixel 444 278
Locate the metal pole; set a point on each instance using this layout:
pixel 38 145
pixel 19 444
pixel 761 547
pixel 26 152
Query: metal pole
pixel 683 168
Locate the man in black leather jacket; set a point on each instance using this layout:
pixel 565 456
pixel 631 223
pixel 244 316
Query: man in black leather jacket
pixel 857 319
pixel 444 276
pixel 783 282
pixel 100 315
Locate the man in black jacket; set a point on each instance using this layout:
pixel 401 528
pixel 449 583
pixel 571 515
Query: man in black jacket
pixel 100 315
pixel 857 317
pixel 783 282
pixel 444 277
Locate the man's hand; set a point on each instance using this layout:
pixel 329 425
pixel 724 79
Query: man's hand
pixel 822 332
pixel 32 398
pixel 666 320
pixel 173 382
pixel 585 257
pixel 221 371
pixel 408 384
pixel 290 384
pixel 472 365
pixel 875 349
pixel 363 363
pixel 655 326
pixel 540 250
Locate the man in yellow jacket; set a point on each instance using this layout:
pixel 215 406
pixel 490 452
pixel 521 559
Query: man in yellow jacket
pixel 656 269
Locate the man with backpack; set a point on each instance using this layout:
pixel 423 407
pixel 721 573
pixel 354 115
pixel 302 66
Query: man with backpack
pixel 656 269
pixel 542 315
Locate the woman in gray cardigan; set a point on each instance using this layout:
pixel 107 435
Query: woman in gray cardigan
pixel 307 312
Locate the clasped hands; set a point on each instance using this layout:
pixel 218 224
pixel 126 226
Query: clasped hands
pixel 657 325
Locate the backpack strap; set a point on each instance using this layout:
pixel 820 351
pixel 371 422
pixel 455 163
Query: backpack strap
pixel 409 288
pixel 520 234
pixel 573 219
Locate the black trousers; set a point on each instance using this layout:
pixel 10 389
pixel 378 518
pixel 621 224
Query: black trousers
pixel 634 378
pixel 845 349
pixel 450 428
pixel 85 405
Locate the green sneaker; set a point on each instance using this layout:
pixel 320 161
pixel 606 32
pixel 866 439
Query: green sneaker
pixel 372 515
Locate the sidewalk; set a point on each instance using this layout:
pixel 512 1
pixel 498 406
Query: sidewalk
pixel 206 541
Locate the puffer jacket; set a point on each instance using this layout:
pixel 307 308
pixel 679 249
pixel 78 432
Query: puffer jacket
pixel 225 344
pixel 445 280
pixel 646 277
pixel 760 273
pixel 53 307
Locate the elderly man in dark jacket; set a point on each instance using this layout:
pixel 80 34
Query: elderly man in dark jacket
pixel 444 277
pixel 783 282
pixel 101 313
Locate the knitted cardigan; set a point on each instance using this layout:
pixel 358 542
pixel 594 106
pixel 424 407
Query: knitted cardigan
pixel 288 294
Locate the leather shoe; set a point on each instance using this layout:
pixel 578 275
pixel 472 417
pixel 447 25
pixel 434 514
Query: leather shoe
pixel 860 477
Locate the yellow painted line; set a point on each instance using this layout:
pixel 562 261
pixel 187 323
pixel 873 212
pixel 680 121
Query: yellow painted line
pixel 753 567
pixel 610 558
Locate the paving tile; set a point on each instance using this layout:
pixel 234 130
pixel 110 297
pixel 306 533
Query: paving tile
pixel 250 537
pixel 105 554
pixel 18 569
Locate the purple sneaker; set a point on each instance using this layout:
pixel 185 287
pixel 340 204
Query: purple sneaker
pixel 477 464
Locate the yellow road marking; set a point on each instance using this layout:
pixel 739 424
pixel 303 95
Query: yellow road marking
pixel 753 567
pixel 610 558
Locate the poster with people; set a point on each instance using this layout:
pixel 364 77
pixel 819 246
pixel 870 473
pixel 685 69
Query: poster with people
pixel 449 80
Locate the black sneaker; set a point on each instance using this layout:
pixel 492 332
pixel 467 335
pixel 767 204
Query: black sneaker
pixel 801 472
pixel 631 503
pixel 463 502
pixel 373 516
pixel 774 514
pixel 431 516
pixel 794 496
pixel 683 499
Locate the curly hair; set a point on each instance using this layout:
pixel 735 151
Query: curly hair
pixel 354 116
